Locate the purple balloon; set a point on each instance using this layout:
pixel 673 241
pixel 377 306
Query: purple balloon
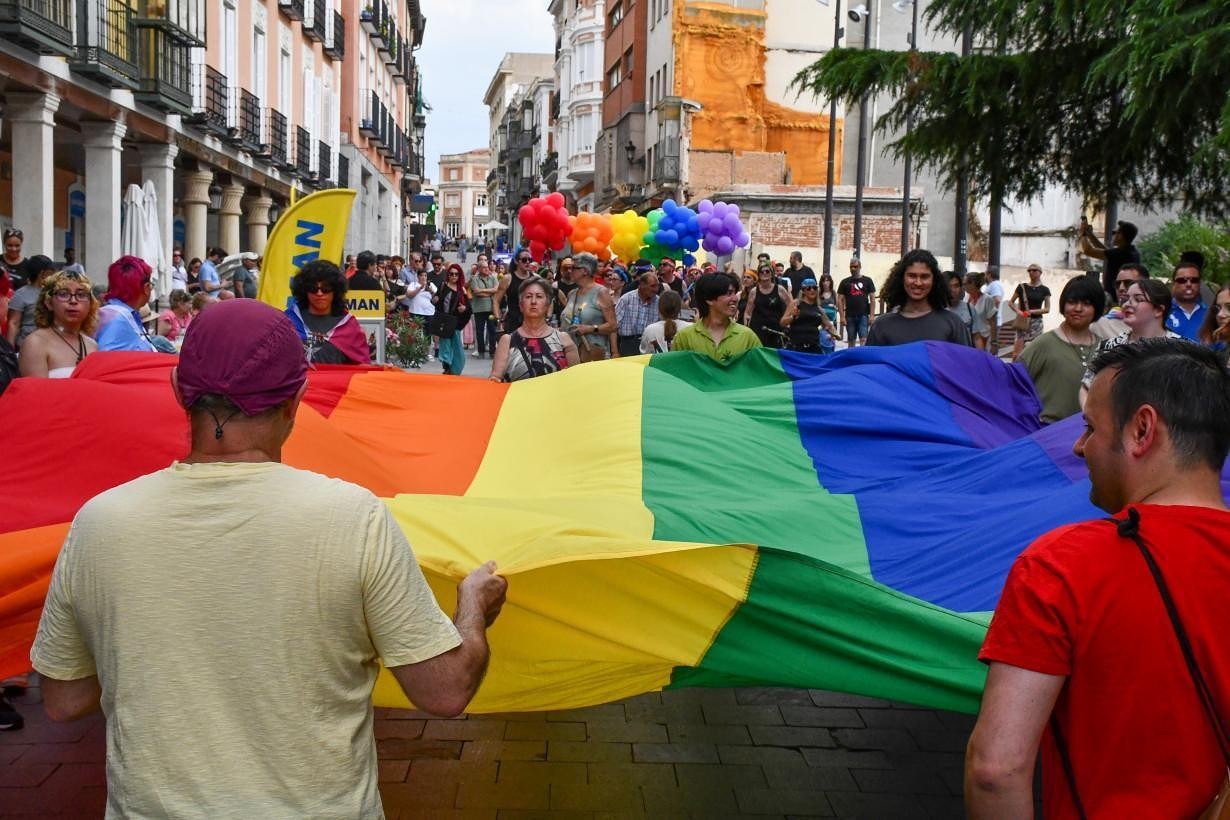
pixel 705 206
pixel 720 209
pixel 725 245
pixel 743 240
pixel 734 209
pixel 731 224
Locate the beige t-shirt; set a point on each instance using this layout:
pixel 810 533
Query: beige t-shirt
pixel 234 615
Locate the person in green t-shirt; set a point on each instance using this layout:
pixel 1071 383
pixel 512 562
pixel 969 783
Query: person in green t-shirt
pixel 717 334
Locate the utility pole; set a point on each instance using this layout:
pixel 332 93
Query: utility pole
pixel 960 244
pixel 909 126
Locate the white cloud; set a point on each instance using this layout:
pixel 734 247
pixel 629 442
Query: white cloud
pixel 464 43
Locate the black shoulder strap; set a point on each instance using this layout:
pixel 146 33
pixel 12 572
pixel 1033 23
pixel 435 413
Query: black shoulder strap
pixel 1130 528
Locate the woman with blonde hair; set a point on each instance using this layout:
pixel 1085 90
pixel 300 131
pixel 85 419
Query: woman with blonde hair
pixel 65 314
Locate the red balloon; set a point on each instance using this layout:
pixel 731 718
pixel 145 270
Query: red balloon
pixel 556 199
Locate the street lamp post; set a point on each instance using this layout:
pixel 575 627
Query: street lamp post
pixel 864 15
pixel 828 182
pixel 960 249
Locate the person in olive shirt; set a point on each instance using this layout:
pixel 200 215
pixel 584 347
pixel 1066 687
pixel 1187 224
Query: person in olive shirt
pixel 916 298
pixel 717 334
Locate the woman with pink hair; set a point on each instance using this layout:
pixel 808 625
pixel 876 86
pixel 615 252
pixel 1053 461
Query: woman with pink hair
pixel 119 319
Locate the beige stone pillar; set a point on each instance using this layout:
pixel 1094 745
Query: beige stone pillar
pixel 257 209
pixel 228 217
pixel 196 211
pixel 104 196
pixel 32 119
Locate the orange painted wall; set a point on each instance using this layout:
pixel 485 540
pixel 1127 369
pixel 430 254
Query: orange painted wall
pixel 719 62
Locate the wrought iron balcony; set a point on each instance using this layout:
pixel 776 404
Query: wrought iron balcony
pixel 343 171
pixel 210 100
pixel 303 154
pixel 45 26
pixel 166 72
pixel 397 65
pixel 549 168
pixel 107 44
pixel 666 169
pixel 250 120
pixel 335 44
pixel 324 167
pixel 315 25
pixel 375 20
pixel 278 140
pixel 491 177
pixel 291 8
pixel 183 21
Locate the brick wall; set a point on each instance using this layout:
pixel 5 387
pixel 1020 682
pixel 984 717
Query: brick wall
pixel 715 170
pixel 881 233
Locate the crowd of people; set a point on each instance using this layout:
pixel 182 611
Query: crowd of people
pixel 1098 622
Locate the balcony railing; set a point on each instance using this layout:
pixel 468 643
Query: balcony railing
pixel 397 65
pixel 210 99
pixel 343 171
pixel 324 168
pixel 166 72
pixel 550 165
pixel 250 120
pixel 303 153
pixel 45 26
pixel 278 139
pixel 316 23
pixel 291 8
pixel 491 176
pixel 335 44
pixel 374 18
pixel 107 43
pixel 665 168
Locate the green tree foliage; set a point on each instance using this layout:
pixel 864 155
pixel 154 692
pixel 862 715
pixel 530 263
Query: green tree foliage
pixel 1125 101
pixel 1160 250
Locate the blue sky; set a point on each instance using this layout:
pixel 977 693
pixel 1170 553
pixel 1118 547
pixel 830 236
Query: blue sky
pixel 464 43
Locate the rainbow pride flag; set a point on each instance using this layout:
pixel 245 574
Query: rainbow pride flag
pixel 842 522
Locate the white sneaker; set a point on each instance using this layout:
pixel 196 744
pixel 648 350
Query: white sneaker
pixel 430 358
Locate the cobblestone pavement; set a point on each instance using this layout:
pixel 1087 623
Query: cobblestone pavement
pixel 710 753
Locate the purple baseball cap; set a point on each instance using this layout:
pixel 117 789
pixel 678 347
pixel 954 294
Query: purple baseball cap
pixel 244 350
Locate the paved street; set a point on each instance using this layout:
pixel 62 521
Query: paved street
pixel 711 753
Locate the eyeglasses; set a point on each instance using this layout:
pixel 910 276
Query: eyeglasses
pixel 71 295
pixel 809 287
pixel 1123 283
pixel 11 232
pixel 524 259
pixel 1187 280
pixel 318 288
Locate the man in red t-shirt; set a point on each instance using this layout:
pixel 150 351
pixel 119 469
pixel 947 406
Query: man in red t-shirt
pixel 1081 631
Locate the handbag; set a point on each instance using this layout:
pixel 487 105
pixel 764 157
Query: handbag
pixel 1020 322
pixel 1219 808
pixel 442 325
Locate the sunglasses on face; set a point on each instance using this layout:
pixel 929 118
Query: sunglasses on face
pixel 809 287
pixel 321 289
pixel 1187 280
pixel 1123 283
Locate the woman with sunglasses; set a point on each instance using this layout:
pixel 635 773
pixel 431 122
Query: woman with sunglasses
pixel 808 327
pixel 330 333
pixel 452 313
pixel 768 301
pixel 507 295
pixel 65 314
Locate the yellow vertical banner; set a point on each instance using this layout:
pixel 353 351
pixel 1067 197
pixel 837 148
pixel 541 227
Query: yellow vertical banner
pixel 311 228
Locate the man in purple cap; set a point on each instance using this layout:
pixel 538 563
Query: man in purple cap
pixel 234 655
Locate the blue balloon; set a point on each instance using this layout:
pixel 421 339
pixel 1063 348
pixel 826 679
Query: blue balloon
pixel 689 259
